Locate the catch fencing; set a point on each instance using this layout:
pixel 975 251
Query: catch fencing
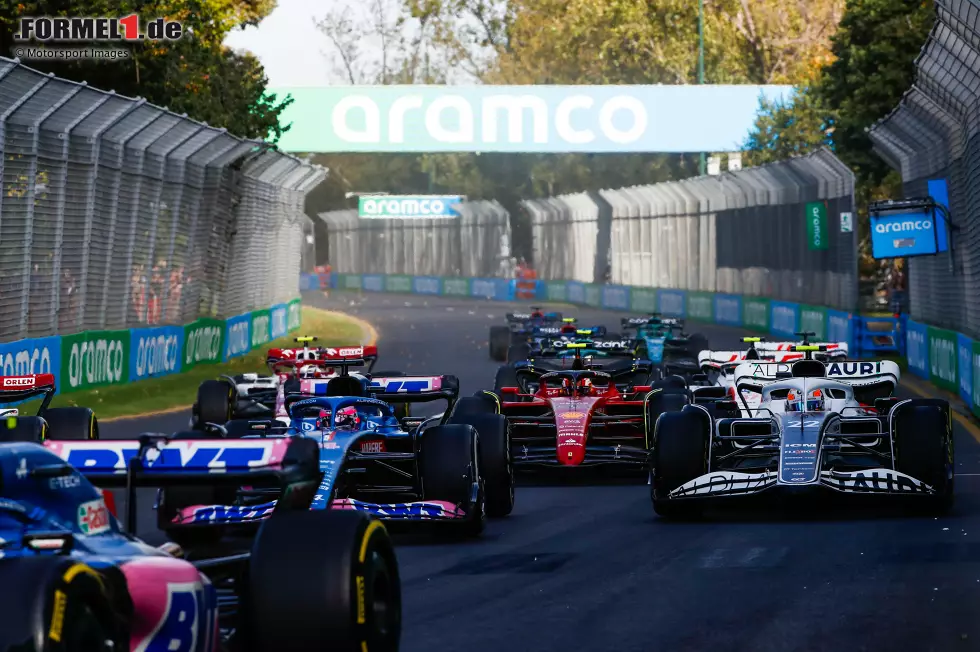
pixel 748 232
pixel 477 243
pixel 117 214
pixel 934 135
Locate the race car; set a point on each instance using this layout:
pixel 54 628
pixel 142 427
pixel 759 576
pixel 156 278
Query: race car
pixel 830 351
pixel 75 579
pixel 253 395
pixel 662 340
pixel 454 467
pixel 818 425
pixel 576 418
pixel 543 337
pixel 49 422
pixel 615 357
pixel 519 327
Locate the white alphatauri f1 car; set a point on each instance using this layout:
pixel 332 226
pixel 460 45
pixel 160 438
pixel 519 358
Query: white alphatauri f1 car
pixel 829 425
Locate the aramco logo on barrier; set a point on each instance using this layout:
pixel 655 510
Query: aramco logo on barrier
pixel 408 206
pixel 203 344
pixel 96 362
pixel 157 355
pixel 26 362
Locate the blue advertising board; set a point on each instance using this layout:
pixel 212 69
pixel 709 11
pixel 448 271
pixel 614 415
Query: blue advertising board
pixel 728 309
pixel 279 318
pixel 840 328
pixel 156 351
pixel 373 283
pixel 576 292
pixel 914 231
pixel 917 348
pixel 238 336
pixel 784 318
pixel 672 303
pixel 35 356
pixel 426 285
pixel 616 297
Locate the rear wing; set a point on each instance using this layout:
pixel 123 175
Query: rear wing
pixel 162 461
pixel 868 378
pixel 830 349
pixel 16 389
pixel 415 389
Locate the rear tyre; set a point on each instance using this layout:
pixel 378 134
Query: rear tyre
pixel 661 401
pixel 499 341
pixel 496 465
pixel 215 402
pixel 678 455
pixel 59 605
pixel 71 424
pixel 337 589
pixel 924 449
pixel 450 471
pixel 23 429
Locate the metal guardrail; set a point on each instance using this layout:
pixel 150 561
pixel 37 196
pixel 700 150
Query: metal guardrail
pixel 933 134
pixel 477 243
pixel 116 213
pixel 742 232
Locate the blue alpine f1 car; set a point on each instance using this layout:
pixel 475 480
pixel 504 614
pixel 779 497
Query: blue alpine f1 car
pixel 75 579
pixel 453 468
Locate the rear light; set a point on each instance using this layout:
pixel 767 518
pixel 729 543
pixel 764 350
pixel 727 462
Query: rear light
pixel 373 446
pixel 642 388
pixel 510 390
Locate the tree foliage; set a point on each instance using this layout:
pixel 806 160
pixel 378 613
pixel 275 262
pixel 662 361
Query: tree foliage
pixel 195 75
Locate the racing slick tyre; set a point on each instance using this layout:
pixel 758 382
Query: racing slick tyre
pixel 924 448
pixel 23 429
pixel 518 353
pixel 506 377
pixel 322 580
pixel 496 465
pixel 499 341
pixel 450 471
pixel 215 401
pixel 661 400
pixel 54 604
pixel 482 402
pixel 71 423
pixel 679 453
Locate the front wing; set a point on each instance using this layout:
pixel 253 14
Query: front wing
pixel 869 481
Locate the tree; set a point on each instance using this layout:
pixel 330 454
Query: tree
pixel 788 128
pixel 196 75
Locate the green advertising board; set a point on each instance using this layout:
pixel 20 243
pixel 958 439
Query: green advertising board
pixel 456 287
pixel 94 359
pixel 204 341
pixel 261 328
pixel 348 281
pixel 813 319
pixel 556 291
pixel 643 300
pixel 816 226
pixel 755 313
pixel 295 315
pixel 593 296
pixel 942 358
pixel 700 306
pixel 398 283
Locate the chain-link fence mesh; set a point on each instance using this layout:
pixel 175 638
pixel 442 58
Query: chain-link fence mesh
pixel 933 134
pixel 477 243
pixel 116 213
pixel 743 232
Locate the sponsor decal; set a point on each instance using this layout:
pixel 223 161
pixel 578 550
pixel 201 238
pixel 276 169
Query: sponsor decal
pixel 231 514
pixel 25 381
pixel 853 368
pixel 93 517
pixel 572 415
pixel 65 482
pixel 376 446
pixel 95 358
pixel 877 480
pixel 571 442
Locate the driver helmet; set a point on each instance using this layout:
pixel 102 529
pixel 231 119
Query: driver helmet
pixel 347 418
pixel 815 402
pixel 323 420
pixel 569 328
pixel 585 383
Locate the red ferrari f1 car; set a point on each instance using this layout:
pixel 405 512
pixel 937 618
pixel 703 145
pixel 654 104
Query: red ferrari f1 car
pixel 577 418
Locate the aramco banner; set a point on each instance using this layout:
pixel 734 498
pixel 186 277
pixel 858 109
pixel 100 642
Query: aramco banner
pixel 688 118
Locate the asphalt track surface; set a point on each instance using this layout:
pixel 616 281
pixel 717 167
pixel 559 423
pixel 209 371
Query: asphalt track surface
pixel 583 564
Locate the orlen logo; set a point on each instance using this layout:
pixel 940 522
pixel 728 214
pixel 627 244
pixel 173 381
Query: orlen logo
pixel 351 352
pixel 904 226
pixel 26 381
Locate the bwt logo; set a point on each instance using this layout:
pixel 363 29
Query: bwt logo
pixel 905 226
pixel 279 323
pixel 484 288
pixel 156 355
pixel 615 297
pixel 784 319
pixel 427 285
pixel 451 119
pixel 26 362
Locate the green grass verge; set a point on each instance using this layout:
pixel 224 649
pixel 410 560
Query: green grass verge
pixel 178 390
